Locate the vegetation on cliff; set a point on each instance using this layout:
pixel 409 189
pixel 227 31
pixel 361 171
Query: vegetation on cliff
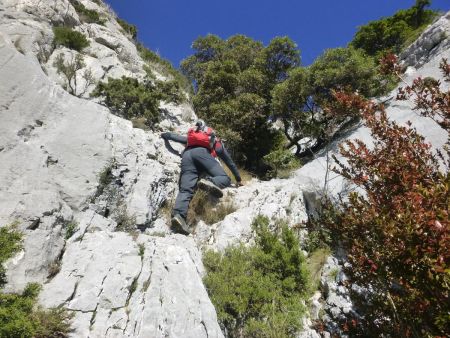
pixel 396 228
pixel 20 316
pixel 259 290
pixel 67 37
pixel 392 34
pixel 242 88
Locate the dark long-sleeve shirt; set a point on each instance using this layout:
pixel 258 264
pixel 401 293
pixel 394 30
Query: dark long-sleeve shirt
pixel 219 147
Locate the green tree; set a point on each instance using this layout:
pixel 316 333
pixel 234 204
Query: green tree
pixel 298 100
pixel 233 80
pixel 206 49
pixel 345 68
pixel 395 32
pixel 242 50
pixel 278 58
pixel 290 105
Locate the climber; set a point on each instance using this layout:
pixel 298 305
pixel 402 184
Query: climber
pixel 198 158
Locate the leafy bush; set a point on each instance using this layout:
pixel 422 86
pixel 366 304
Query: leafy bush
pixel 396 231
pixel 243 86
pixel 128 28
pixel 395 32
pixel 87 15
pixel 171 91
pixel 258 291
pixel 19 315
pixel 129 98
pixel 65 36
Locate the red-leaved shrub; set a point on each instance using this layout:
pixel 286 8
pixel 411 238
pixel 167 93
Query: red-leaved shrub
pixel 396 229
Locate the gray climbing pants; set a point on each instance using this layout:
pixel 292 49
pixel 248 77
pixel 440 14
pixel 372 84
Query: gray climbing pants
pixel 195 162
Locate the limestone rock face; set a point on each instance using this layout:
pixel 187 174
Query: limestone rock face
pixel 276 199
pixel 57 12
pixel 88 190
pixel 148 287
pixel 433 41
pixel 71 173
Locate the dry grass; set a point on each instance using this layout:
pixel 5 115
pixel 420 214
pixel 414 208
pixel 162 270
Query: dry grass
pixel 165 209
pixel 125 221
pixel 206 208
pixel 315 263
pixel 246 176
pixel 140 122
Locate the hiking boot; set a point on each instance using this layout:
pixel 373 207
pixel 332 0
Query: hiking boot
pixel 179 225
pixel 210 188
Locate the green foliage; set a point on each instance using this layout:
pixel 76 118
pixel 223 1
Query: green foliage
pixel 19 316
pixel 281 161
pixel 128 28
pixel 71 228
pixel 234 78
pixel 345 68
pixel 258 291
pixel 129 98
pixel 105 177
pixel 171 91
pixel 10 244
pixel 290 105
pixel 87 15
pixel 315 262
pixel 65 36
pixel 141 250
pixel 242 86
pixel 279 57
pixel 125 221
pixel 395 32
pixel 297 102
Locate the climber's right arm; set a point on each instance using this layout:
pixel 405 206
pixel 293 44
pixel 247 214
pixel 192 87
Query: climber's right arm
pixel 174 137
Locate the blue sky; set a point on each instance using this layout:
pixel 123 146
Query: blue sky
pixel 170 26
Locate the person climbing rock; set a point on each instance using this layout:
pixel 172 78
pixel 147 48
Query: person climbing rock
pixel 199 158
